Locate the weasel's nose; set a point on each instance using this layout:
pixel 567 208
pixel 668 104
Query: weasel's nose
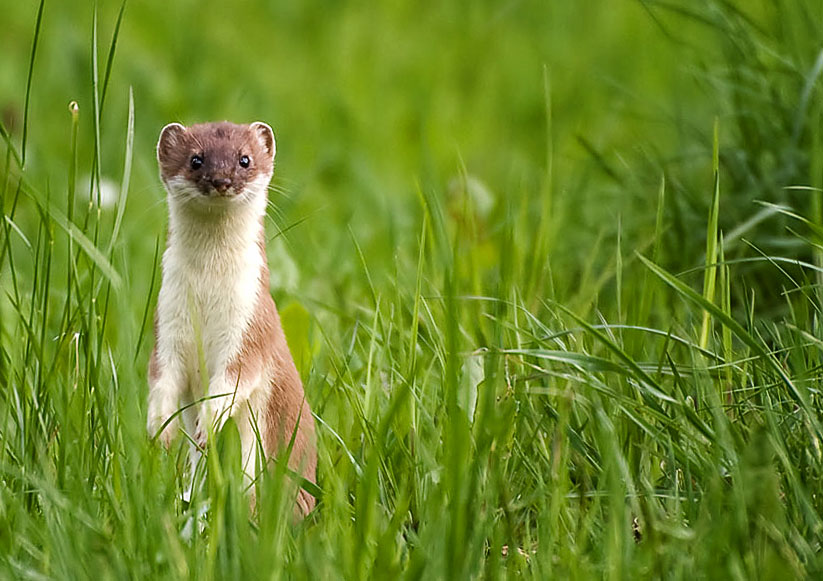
pixel 221 184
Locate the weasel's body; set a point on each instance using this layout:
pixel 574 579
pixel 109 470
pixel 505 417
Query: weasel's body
pixel 214 310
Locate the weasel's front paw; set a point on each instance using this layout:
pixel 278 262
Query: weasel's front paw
pixel 211 417
pixel 201 434
pixel 159 412
pixel 169 432
pixel 155 422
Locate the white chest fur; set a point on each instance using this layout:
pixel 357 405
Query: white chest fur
pixel 211 282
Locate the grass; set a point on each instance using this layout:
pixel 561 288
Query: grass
pixel 553 323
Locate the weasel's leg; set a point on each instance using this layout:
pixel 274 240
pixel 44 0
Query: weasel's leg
pixel 166 386
pixel 250 430
pixel 227 397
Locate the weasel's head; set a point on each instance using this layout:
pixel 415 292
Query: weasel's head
pixel 216 163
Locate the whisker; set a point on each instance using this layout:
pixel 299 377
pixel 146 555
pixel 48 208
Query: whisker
pixel 280 191
pixel 278 213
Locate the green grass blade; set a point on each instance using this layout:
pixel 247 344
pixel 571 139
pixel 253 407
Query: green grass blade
pixel 95 255
pixel 37 24
pixel 650 390
pixel 4 133
pixel 799 394
pixel 710 274
pixel 124 183
pixel 110 59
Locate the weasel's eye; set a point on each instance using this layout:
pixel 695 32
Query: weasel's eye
pixel 244 161
pixel 196 162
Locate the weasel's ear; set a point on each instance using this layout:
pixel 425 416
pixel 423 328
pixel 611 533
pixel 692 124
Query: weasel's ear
pixel 169 141
pixel 266 136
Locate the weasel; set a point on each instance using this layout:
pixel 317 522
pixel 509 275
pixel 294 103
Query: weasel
pixel 214 310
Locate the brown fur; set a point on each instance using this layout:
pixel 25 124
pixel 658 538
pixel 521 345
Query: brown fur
pixel 265 347
pixel 219 145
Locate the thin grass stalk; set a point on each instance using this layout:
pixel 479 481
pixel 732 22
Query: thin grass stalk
pixel 710 275
pixel 726 306
pixel 29 77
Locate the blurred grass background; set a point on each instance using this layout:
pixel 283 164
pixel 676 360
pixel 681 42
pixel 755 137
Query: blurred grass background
pixel 462 190
pixel 371 103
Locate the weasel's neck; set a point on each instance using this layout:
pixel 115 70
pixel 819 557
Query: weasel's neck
pixel 212 239
pixel 219 238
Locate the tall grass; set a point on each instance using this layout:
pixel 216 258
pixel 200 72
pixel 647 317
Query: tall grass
pixel 498 390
